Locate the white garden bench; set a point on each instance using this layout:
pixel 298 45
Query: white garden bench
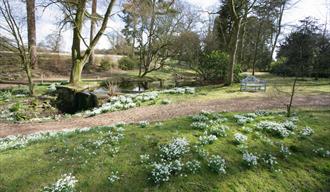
pixel 251 83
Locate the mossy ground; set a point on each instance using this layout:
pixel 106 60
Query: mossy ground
pixel 42 163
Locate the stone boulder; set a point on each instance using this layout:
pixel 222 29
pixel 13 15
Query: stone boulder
pixel 72 100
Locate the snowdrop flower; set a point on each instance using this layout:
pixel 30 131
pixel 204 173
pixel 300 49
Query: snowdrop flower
pixel 307 131
pixel 217 164
pixel 65 183
pixel 113 177
pixel 175 149
pixel 250 159
pixel 240 138
pixel 207 139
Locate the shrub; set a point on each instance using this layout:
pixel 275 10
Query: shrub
pixel 127 63
pixel 106 64
pixel 217 164
pixel 165 101
pixel 213 66
pixel 16 107
pixel 5 95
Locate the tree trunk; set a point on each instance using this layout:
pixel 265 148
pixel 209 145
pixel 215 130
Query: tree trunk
pixel 31 23
pixel 91 60
pixel 233 51
pixel 150 40
pixel 29 76
pixel 241 44
pixel 76 70
pixel 291 98
pixel 133 35
pixel 256 49
pixel 76 59
pixel 79 60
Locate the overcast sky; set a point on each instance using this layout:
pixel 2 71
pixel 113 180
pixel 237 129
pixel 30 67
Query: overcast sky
pixel 316 8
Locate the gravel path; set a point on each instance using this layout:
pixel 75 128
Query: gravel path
pixel 163 112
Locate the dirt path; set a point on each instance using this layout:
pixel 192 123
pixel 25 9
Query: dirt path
pixel 163 112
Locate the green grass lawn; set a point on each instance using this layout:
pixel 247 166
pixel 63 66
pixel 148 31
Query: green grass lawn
pixel 42 163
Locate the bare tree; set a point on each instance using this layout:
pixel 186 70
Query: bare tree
pixel 14 42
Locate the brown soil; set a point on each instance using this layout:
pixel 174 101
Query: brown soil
pixel 163 112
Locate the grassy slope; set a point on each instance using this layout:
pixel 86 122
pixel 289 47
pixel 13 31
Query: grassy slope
pixel 30 168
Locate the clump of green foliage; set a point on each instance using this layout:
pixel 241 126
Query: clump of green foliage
pixel 127 63
pixel 106 64
pixel 213 66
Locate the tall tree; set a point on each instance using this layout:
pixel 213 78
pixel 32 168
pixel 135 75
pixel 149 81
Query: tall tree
pixel 31 23
pixel 238 11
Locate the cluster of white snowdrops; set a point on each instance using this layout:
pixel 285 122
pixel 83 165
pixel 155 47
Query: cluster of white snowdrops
pixel 127 101
pixel 20 141
pixel 66 183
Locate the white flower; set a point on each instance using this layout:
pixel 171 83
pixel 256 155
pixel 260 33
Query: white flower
pixel 250 158
pixel 193 166
pixel 240 138
pixel 143 124
pixel 144 158
pixel 307 131
pixel 275 128
pixel 199 125
pixel 270 160
pixel 175 149
pixel 219 130
pixel 242 119
pixel 113 177
pixel 285 151
pixel 207 139
pixel 65 183
pixel 217 164
pixel 322 152
pixel 161 172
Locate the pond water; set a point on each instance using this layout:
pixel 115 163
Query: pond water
pixel 141 86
